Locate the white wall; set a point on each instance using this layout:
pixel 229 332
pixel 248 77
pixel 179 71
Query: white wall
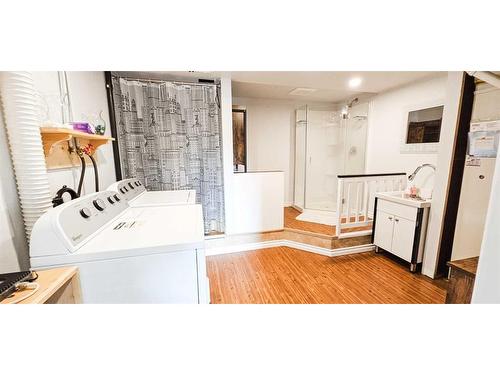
pixel 271 137
pixel 88 97
pixel 13 245
pixel 387 123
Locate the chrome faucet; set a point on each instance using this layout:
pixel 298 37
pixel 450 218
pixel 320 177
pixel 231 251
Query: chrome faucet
pixel 412 176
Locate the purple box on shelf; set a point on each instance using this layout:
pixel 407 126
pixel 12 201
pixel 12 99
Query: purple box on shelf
pixel 82 127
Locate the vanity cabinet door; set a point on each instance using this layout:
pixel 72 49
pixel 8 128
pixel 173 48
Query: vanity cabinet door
pixel 384 230
pixel 402 241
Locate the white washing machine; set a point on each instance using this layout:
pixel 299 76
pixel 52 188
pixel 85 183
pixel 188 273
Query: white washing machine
pixel 125 254
pixel 133 191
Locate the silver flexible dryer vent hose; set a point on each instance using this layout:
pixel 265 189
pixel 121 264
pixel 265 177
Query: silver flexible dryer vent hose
pixel 23 133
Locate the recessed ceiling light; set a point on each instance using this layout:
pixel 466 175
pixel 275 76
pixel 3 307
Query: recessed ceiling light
pixel 355 82
pixel 301 91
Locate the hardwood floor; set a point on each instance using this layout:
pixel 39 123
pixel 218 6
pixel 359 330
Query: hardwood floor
pixel 292 223
pixel 286 275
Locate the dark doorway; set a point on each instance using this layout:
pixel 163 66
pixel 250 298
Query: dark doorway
pixel 240 140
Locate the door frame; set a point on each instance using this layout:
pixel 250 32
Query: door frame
pixel 456 176
pixel 112 125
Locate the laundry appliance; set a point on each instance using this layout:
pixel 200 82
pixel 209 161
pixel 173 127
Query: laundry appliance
pixel 125 254
pixel 134 192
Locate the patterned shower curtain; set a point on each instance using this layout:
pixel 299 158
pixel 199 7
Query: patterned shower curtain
pixel 169 136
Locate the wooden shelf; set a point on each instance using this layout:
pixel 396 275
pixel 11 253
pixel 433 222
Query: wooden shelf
pixel 56 285
pixel 57 145
pixel 52 136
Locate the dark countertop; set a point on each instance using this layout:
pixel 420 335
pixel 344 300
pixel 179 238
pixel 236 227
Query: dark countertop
pixel 468 266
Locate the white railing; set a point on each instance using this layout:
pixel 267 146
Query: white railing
pixel 356 198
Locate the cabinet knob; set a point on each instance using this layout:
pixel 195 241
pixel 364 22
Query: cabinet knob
pixel 390 218
pixel 396 220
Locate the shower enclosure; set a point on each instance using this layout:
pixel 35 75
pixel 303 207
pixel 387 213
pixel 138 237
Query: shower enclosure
pixel 328 143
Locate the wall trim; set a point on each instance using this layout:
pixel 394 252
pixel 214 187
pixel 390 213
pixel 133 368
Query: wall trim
pixel 367 232
pixel 293 244
pixel 242 247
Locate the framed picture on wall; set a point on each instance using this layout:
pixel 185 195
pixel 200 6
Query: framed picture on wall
pixel 422 130
pixel 239 140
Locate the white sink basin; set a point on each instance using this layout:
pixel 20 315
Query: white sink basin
pixel 399 197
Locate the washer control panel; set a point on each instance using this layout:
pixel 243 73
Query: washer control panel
pixel 81 218
pixel 129 189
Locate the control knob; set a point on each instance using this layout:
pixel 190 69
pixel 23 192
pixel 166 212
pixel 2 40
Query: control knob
pixel 99 204
pixel 85 212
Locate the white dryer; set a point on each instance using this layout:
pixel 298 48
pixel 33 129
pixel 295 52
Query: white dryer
pixel 134 192
pixel 125 254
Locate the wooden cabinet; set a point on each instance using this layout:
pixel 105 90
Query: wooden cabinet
pixel 462 277
pixel 400 230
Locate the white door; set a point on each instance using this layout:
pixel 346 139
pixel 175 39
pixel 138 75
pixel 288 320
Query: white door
pixel 383 230
pixel 474 199
pixel 402 240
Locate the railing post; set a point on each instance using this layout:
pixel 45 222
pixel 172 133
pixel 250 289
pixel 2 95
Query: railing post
pixel 358 202
pixel 366 199
pixel 340 194
pixel 347 187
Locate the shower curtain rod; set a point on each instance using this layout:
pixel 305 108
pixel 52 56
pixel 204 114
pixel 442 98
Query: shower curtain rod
pixel 165 80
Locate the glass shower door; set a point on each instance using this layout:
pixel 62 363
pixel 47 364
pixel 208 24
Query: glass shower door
pixel 324 158
pixel 300 157
pixel 355 139
pixel 328 143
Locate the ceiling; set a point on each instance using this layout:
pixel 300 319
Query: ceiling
pixel 271 91
pixel 330 86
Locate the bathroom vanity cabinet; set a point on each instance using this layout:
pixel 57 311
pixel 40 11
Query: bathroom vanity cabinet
pixel 399 226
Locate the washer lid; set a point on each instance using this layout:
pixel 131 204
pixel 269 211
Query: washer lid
pixel 164 198
pixel 141 227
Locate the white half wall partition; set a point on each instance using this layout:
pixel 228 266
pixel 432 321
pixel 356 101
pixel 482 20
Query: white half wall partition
pixel 271 131
pixel 258 199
